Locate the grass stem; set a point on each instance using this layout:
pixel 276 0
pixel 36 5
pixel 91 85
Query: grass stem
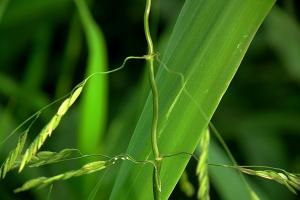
pixel 155 98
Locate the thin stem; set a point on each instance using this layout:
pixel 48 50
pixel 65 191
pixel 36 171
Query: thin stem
pixel 146 27
pixel 155 110
pixel 155 99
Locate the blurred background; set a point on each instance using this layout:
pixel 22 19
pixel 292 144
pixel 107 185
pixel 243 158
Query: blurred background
pixel 43 55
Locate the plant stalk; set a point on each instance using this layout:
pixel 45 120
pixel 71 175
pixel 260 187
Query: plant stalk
pixel 155 99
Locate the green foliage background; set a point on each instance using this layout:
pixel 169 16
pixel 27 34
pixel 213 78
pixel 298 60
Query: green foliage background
pixel 43 53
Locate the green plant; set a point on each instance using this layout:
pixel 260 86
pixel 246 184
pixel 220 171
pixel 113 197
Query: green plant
pixel 183 73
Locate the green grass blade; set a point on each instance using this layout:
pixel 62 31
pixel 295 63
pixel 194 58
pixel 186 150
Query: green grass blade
pixel 208 43
pixel 94 102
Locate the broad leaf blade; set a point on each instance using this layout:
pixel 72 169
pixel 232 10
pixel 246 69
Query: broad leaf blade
pixel 207 45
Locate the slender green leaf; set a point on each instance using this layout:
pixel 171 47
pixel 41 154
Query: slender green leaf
pixel 208 43
pixel 94 102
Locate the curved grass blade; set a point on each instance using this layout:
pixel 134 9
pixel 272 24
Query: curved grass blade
pixel 94 100
pixel 208 43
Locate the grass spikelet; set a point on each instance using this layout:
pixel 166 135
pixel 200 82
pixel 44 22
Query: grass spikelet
pixel 186 186
pixel 202 170
pixel 9 163
pixel 48 157
pixel 290 180
pixel 50 127
pixel 44 181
